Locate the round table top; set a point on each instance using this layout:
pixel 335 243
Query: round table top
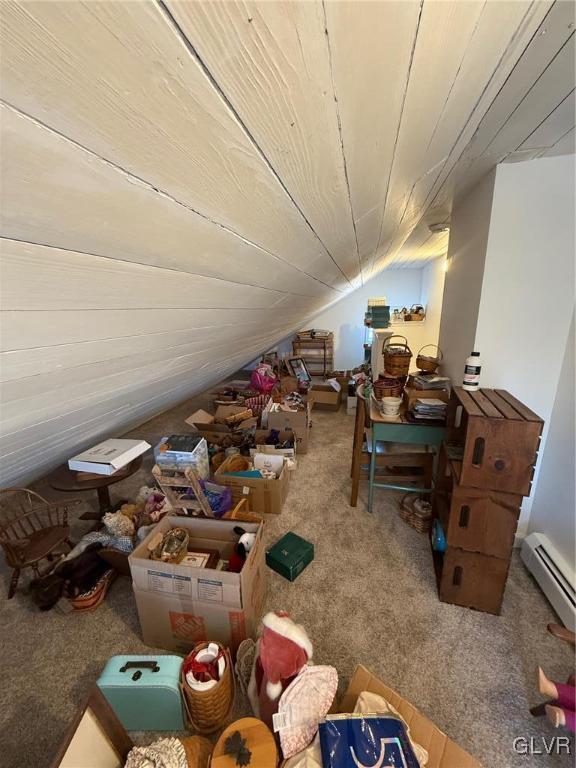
pixel 259 740
pixel 65 479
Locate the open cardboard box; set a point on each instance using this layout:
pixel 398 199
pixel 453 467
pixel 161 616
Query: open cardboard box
pixel 179 605
pixel 442 751
pixel 265 496
pixel 297 421
pixel 325 397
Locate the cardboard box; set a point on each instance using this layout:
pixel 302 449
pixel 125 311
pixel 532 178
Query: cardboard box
pixel 288 384
pixel 297 421
pixel 266 496
pixel 179 605
pixel 442 751
pixel 411 394
pixel 260 439
pixel 200 417
pixel 290 555
pixel 108 457
pixel 325 397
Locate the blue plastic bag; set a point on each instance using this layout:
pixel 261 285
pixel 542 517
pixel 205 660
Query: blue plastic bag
pixel 365 741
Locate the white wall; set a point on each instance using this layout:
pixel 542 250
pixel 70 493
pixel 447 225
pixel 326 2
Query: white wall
pixel 509 291
pixel 469 229
pixel 553 507
pixel 401 287
pixel 528 287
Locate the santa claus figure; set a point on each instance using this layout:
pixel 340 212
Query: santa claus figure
pixel 283 649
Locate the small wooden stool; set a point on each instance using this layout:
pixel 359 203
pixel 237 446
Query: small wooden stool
pixel 259 740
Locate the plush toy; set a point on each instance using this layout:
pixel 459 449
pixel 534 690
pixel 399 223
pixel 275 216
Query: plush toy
pixel 117 524
pixel 241 549
pixel 132 510
pixel 284 649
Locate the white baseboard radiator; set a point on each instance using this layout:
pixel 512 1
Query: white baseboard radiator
pixel 553 574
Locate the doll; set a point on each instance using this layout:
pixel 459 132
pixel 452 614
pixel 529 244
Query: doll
pixel 562 711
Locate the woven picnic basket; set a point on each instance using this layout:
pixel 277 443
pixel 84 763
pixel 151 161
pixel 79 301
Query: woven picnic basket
pixel 397 356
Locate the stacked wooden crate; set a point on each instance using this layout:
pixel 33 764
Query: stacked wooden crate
pixel 316 351
pixel 484 469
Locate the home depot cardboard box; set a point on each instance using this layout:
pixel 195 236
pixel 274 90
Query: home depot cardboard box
pixel 298 421
pixel 179 605
pixel 325 397
pixel 442 751
pixel 265 497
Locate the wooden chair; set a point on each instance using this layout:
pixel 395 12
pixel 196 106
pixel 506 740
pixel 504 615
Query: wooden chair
pixel 569 637
pixel 31 529
pixel 405 461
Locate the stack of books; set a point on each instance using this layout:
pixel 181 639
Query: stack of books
pixel 429 408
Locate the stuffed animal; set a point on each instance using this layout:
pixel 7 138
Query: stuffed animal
pixel 78 574
pixel 284 649
pixel 241 549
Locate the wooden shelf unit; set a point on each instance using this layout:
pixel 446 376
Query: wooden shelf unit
pixel 318 354
pixel 485 467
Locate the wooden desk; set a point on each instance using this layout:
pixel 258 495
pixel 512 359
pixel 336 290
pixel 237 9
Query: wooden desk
pixel 399 431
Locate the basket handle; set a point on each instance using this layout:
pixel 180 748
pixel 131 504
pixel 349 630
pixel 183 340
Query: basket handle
pixel 388 339
pixel 439 356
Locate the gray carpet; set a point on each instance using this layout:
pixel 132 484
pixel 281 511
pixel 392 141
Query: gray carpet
pixel 369 597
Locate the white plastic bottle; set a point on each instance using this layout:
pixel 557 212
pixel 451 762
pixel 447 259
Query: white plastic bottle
pixel 472 372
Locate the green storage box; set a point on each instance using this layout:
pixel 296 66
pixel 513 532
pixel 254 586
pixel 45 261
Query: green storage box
pixel 290 556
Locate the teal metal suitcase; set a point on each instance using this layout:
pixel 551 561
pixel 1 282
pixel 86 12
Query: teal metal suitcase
pixel 144 692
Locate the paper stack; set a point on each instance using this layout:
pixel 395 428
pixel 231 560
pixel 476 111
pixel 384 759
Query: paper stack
pixel 431 381
pixel 430 408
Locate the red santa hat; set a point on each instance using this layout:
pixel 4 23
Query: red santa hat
pixel 283 650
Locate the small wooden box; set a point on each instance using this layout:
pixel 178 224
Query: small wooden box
pixel 500 437
pixel 479 521
pixel 471 580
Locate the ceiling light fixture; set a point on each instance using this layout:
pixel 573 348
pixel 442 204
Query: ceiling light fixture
pixel 440 226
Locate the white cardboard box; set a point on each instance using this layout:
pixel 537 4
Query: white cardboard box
pixel 108 457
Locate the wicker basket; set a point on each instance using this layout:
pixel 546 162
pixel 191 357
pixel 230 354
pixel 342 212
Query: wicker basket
pixel 420 520
pixel 429 363
pixel 208 710
pixel 397 356
pixel 388 387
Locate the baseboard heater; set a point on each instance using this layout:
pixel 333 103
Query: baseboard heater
pixel 553 574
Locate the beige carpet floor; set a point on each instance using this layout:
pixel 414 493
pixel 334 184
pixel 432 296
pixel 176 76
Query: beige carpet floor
pixel 369 597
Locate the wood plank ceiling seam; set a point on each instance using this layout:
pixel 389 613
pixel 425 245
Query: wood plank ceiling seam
pixel 437 188
pixel 567 105
pixel 40 73
pixel 406 86
pixel 442 184
pixel 226 100
pixel 431 139
pixel 134 178
pixel 341 140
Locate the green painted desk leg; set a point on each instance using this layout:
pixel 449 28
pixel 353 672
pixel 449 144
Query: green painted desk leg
pixel 372 470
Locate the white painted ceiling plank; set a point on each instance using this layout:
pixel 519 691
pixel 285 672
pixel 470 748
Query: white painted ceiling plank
pixel 147 106
pixel 371 46
pixel 553 127
pixel 58 194
pixel 45 328
pixel 479 76
pixel 565 146
pixel 276 74
pixel 43 360
pixel 39 277
pixel 444 35
pixel 526 66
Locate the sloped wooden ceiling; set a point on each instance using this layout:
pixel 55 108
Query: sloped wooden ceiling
pixel 184 183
